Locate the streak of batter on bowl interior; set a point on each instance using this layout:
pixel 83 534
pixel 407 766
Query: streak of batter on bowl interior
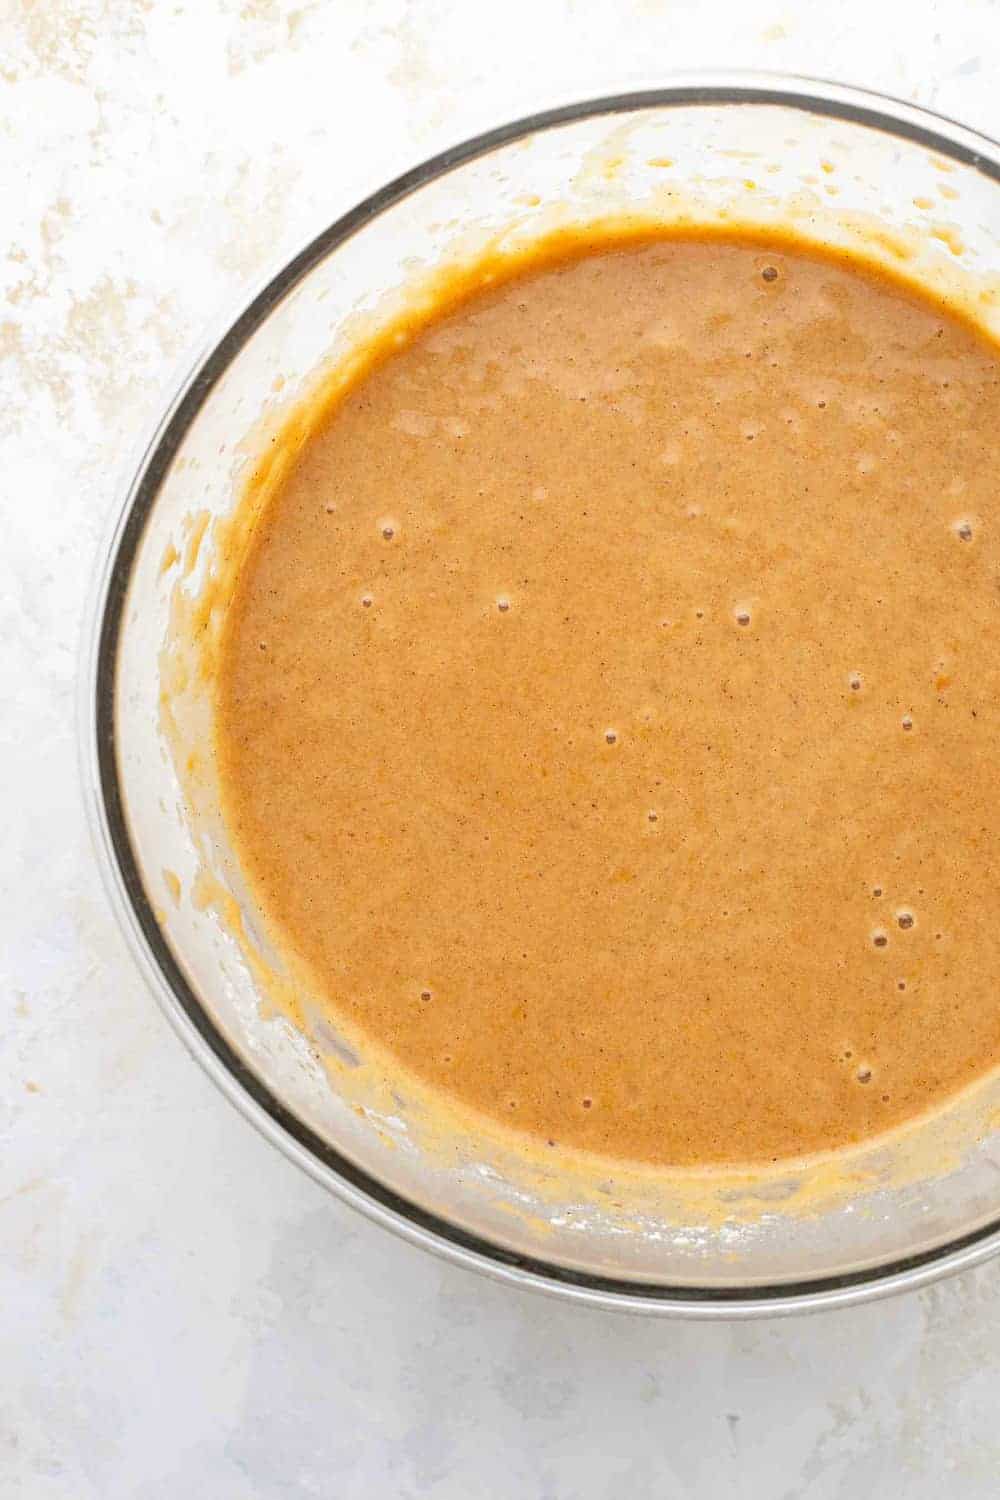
pixel 592 669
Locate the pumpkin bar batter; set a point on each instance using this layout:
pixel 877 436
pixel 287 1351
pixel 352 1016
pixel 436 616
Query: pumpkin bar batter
pixel 609 709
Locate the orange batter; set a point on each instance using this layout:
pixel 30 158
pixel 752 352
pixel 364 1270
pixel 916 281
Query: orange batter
pixel 610 701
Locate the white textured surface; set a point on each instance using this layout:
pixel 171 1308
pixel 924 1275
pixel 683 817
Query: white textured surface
pixel 181 1313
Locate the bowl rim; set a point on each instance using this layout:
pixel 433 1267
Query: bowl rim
pixel 116 854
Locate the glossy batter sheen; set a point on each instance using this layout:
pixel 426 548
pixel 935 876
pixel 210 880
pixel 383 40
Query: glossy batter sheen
pixel 610 703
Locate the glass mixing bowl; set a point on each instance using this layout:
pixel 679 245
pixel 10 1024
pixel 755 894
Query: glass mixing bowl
pixel 924 195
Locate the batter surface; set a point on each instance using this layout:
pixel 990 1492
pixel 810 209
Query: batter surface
pixel 610 701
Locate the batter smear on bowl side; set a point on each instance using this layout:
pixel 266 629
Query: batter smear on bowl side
pixel 609 704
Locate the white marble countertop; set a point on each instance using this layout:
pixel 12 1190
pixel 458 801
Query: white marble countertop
pixel 181 1312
